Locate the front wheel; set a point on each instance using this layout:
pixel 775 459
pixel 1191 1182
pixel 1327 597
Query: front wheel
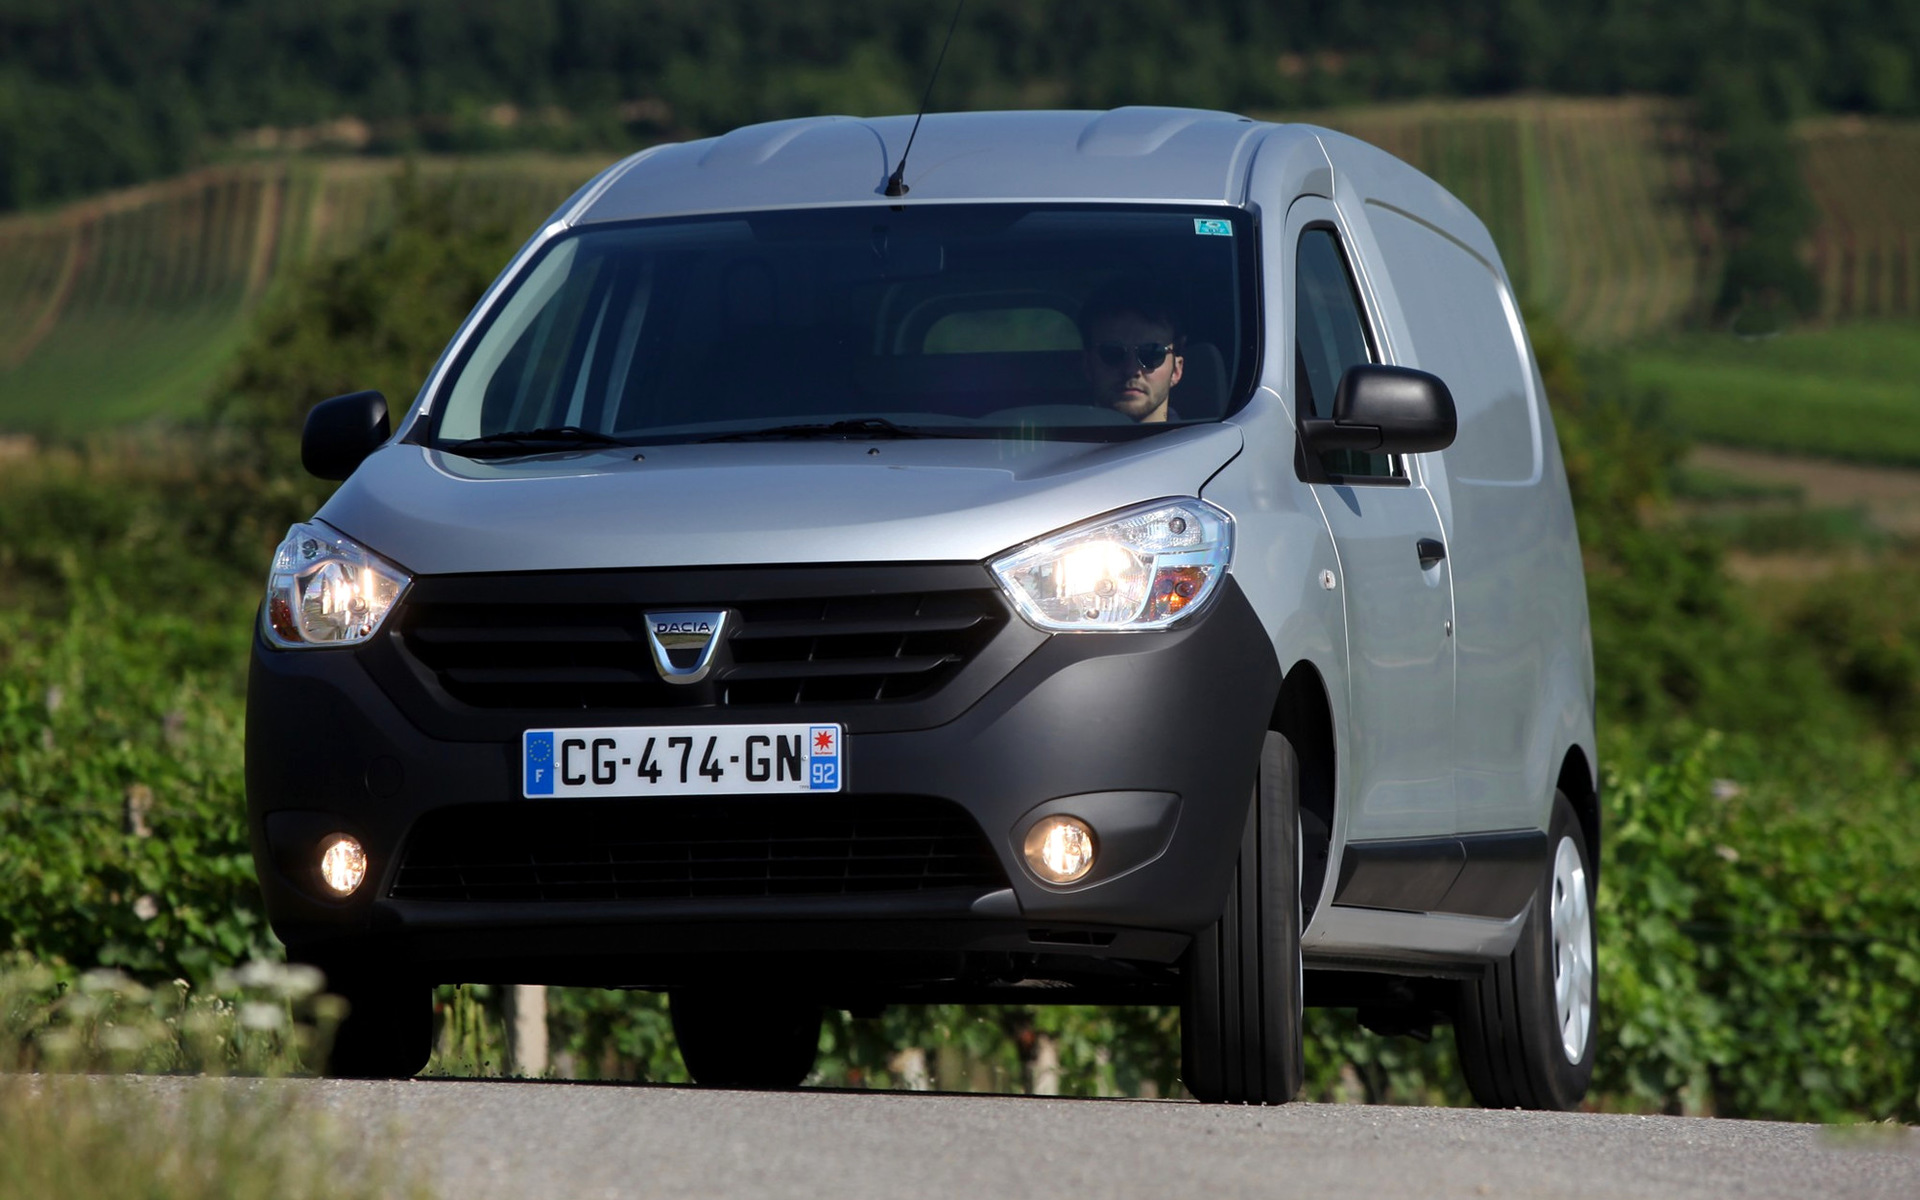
pixel 1240 1016
pixel 734 1041
pixel 388 1030
pixel 1525 1028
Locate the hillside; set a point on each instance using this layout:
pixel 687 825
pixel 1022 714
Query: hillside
pixel 127 305
pixel 1865 176
pixel 1585 198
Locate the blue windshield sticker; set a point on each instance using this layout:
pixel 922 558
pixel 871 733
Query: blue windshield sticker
pixel 1212 228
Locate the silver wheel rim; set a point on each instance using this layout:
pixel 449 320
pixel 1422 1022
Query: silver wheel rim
pixel 1572 920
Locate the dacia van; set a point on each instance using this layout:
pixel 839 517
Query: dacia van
pixel 1108 558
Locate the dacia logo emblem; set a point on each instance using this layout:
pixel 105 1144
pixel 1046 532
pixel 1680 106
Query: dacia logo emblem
pixel 704 628
pixel 683 643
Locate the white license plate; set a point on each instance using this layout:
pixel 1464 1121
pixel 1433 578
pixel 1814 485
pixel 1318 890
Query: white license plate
pixel 681 760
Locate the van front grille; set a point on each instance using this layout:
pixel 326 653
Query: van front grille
pixel 695 847
pixel 553 650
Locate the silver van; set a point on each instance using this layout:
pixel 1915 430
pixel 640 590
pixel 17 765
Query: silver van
pixel 1127 559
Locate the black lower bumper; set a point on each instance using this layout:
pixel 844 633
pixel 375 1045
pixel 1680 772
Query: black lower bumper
pixel 1150 738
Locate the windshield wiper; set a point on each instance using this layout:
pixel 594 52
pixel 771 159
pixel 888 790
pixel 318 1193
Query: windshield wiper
pixel 514 442
pixel 858 427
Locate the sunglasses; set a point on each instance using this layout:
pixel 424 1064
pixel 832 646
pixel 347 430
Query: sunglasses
pixel 1148 354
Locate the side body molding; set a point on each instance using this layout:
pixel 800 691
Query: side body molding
pixel 1472 875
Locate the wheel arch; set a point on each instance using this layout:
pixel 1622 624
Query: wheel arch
pixel 1581 787
pixel 1303 713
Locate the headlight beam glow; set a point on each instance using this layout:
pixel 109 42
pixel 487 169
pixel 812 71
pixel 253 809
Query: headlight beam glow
pixel 327 590
pixel 1142 568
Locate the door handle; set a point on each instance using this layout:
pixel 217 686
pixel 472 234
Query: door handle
pixel 1432 550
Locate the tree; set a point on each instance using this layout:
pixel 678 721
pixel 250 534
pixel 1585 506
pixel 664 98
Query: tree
pixel 1759 199
pixel 377 318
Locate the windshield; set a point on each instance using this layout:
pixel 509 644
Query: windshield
pixel 949 321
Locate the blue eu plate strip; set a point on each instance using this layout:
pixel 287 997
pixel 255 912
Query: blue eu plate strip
pixel 539 757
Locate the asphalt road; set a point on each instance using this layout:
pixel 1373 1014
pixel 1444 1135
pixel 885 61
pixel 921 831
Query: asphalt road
pixel 585 1141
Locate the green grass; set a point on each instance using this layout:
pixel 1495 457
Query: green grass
pixel 111 367
pixel 79 1127
pixel 1794 530
pixel 1850 392
pixel 1707 486
pixel 81 1138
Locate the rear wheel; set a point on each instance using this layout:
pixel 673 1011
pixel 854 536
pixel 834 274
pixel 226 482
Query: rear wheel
pixel 388 1030
pixel 1525 1029
pixel 728 1040
pixel 1240 1018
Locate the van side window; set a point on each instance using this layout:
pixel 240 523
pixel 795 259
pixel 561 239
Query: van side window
pixel 1329 337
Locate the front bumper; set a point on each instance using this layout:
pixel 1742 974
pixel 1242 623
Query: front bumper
pixel 1152 737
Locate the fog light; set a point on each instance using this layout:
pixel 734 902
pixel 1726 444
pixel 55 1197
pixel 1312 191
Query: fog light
pixel 343 863
pixel 1060 849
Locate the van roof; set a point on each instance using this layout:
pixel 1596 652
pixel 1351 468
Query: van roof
pixel 1142 155
pixel 1178 155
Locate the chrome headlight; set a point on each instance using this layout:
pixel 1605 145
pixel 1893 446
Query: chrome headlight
pixel 1141 568
pixel 325 589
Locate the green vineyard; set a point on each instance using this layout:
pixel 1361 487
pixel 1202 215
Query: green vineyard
pixel 1865 176
pixel 1585 198
pixel 129 305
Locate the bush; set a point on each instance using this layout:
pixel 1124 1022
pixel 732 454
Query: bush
pixel 1864 627
pixel 1760 943
pixel 1071 1050
pixel 132 571
pixel 1675 647
pixel 105 1139
pixel 123 836
pixel 376 319
pixel 1758 197
pixel 264 1019
pixel 82 1136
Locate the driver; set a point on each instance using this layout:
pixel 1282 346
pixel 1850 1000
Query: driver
pixel 1132 353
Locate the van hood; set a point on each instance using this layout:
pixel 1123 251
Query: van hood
pixel 758 503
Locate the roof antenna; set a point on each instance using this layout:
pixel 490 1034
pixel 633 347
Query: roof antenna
pixel 897 182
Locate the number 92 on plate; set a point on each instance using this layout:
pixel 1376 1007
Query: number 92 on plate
pixel 681 760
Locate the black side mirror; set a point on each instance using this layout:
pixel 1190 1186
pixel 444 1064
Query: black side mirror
pixel 341 432
pixel 1385 410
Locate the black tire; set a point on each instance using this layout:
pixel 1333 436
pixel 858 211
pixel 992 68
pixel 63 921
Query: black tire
pixel 388 1030
pixel 1510 1026
pixel 731 1041
pixel 1240 1020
